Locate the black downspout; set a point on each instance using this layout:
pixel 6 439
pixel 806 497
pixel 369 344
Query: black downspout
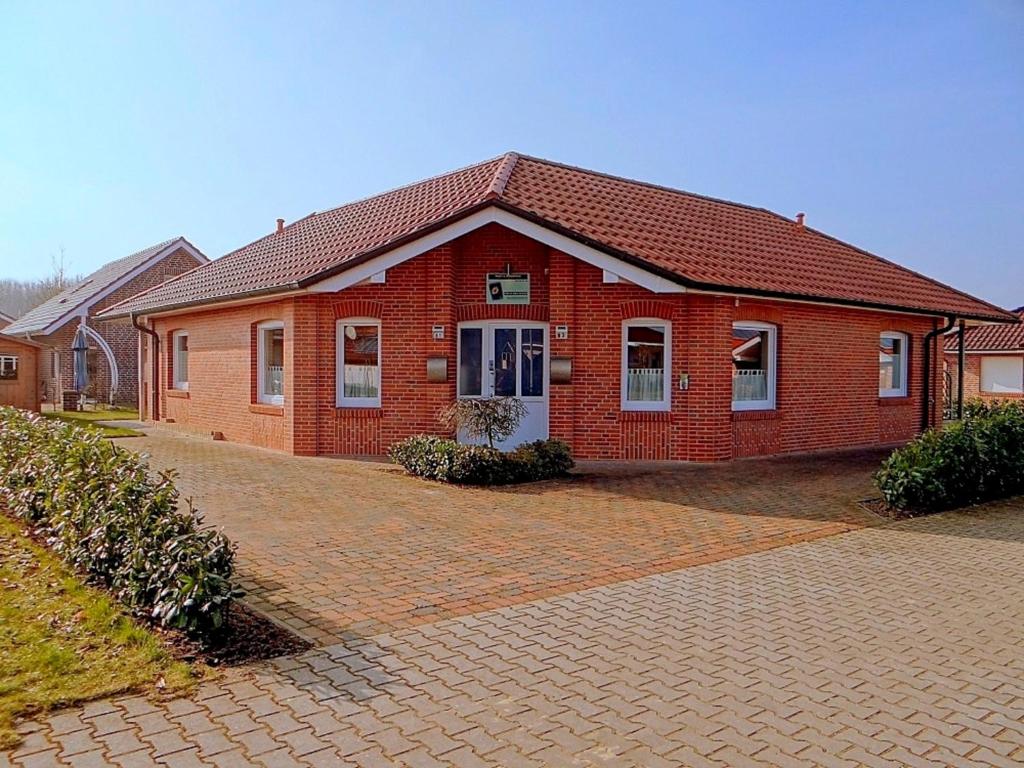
pixel 960 372
pixel 926 399
pixel 156 364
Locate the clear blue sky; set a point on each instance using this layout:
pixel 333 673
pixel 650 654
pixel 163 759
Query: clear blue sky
pixel 896 126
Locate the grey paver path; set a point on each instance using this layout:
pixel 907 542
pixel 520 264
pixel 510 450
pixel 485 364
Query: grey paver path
pixel 894 645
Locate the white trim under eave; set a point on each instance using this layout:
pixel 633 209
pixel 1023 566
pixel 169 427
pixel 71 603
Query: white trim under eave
pixel 178 244
pixel 987 352
pixel 492 215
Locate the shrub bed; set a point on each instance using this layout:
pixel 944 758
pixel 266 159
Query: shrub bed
pixel 102 511
pixel 978 459
pixel 440 458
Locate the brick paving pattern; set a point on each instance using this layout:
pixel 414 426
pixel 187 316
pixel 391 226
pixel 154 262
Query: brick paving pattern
pixel 337 548
pixel 896 645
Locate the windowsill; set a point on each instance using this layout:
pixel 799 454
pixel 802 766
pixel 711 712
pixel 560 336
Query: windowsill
pixel 359 412
pixel 764 414
pixel 645 415
pixel 266 409
pixel 894 400
pixel 181 393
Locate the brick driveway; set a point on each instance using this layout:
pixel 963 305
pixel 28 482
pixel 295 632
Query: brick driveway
pixel 894 645
pixel 338 549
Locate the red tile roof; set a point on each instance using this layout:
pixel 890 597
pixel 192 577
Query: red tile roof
pixel 991 338
pixel 695 241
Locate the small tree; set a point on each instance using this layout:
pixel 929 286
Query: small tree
pixel 494 418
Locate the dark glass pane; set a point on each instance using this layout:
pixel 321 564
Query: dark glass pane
pixel 505 356
pixel 533 362
pixel 470 360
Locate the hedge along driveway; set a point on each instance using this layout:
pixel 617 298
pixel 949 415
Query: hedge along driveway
pixel 335 547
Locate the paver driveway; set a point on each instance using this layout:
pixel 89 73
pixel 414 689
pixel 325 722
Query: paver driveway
pixel 340 548
pixel 895 645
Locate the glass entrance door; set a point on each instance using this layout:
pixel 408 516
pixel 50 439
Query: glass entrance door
pixel 503 359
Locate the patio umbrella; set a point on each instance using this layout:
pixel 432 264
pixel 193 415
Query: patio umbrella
pixel 80 348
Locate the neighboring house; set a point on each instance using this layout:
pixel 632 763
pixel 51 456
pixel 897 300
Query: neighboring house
pixel 112 357
pixel 993 362
pixel 635 321
pixel 5 320
pixel 19 372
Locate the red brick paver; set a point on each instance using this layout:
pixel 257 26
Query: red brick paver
pixel 891 646
pixel 335 547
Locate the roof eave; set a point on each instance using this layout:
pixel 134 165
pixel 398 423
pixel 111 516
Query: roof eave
pixel 111 314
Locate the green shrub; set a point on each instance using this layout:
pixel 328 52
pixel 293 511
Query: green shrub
pixel 102 510
pixel 974 460
pixel 440 458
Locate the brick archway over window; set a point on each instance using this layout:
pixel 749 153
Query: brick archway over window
pixel 662 310
pixel 358 308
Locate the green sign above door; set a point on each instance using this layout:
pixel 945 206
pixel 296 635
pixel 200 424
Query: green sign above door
pixel 511 288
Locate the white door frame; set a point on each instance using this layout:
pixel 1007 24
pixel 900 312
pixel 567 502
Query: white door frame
pixel 487 361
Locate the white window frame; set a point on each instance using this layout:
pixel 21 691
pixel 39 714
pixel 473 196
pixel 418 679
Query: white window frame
pixel 904 339
pixel 665 404
pixel 261 360
pixel 179 383
pixel 767 404
pixel 339 333
pixel 13 360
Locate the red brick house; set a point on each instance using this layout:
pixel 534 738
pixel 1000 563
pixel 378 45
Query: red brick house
pixel 635 321
pixel 19 372
pixel 993 362
pixel 113 344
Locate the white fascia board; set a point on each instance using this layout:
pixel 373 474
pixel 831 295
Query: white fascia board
pixel 474 221
pixel 84 307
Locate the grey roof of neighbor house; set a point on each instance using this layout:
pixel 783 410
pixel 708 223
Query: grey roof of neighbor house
pixel 4 317
pixel 67 302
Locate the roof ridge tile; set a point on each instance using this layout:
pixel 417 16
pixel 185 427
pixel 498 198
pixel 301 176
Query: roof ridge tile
pixel 501 176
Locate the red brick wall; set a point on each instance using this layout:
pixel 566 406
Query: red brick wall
pixel 972 379
pixel 221 366
pixel 827 389
pixel 122 338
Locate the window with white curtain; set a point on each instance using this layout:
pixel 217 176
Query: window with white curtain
pixel 270 362
pixel 753 366
pixel 892 364
pixel 646 365
pixel 179 359
pixel 358 378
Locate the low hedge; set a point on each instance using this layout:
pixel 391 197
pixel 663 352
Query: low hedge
pixel 977 459
pixel 102 510
pixel 439 458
